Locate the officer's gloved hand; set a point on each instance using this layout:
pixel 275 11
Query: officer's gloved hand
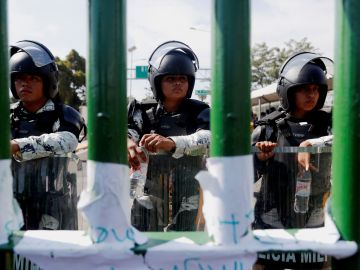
pixel 156 143
pixel 14 147
pixel 135 154
pixel 266 148
pixel 304 158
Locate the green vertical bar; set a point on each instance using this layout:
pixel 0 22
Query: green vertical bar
pixel 230 115
pixel 4 84
pixel 346 157
pixel 6 253
pixel 107 81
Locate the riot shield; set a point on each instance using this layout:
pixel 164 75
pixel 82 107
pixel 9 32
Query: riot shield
pixel 47 191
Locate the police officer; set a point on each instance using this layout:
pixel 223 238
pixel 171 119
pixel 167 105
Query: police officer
pixel 302 88
pixel 42 130
pixel 176 129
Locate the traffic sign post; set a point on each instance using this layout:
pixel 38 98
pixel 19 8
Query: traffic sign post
pixel 141 72
pixel 202 92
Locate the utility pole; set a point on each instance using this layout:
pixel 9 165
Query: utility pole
pixel 131 51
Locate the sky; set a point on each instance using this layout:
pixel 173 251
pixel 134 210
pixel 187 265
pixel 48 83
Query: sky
pixel 62 25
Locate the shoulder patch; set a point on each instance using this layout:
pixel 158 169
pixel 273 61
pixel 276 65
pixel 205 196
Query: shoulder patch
pixel 72 116
pixel 271 118
pixel 195 107
pixel 197 103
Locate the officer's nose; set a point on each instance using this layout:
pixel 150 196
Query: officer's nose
pixel 26 80
pixel 312 93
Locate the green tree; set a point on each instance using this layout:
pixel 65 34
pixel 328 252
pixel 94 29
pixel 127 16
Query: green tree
pixel 263 64
pixel 72 86
pixel 266 62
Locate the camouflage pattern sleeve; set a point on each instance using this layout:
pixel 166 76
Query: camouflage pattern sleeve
pixel 322 141
pixel 195 144
pixel 45 145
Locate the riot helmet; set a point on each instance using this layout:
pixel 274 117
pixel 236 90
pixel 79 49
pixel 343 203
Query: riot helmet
pixel 32 57
pixel 301 69
pixel 172 58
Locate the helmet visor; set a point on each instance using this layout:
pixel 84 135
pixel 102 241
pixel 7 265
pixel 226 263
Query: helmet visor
pixel 159 53
pixel 329 64
pixel 296 63
pixel 39 55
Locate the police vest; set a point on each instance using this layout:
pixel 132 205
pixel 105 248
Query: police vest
pixel 25 124
pixel 184 122
pixel 49 175
pixel 279 180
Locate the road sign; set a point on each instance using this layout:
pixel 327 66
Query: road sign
pixel 202 92
pixel 141 72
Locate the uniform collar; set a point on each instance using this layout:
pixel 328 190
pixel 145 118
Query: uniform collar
pixel 48 106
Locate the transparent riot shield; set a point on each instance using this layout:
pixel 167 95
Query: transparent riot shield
pixel 287 196
pixel 47 191
pixel 170 201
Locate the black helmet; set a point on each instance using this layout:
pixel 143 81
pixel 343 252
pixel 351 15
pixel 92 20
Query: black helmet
pixel 172 57
pixel 32 57
pixel 301 69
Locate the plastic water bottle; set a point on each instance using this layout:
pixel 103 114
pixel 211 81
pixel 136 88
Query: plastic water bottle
pixel 138 178
pixel 302 192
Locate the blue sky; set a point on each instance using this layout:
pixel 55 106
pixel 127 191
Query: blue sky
pixel 62 25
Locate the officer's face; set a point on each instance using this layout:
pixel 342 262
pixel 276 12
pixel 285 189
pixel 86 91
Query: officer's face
pixel 306 97
pixel 29 88
pixel 174 87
